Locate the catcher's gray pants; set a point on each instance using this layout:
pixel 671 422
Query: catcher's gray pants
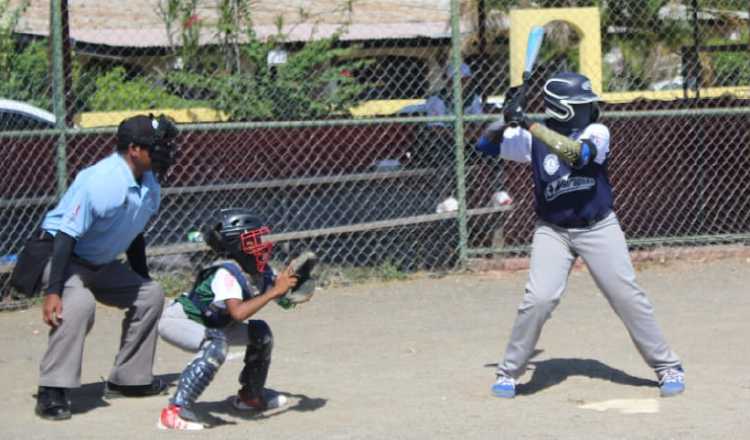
pixel 602 247
pixel 179 330
pixel 113 284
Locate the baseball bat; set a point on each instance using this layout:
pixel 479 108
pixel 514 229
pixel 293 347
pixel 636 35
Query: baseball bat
pixel 533 44
pixel 536 36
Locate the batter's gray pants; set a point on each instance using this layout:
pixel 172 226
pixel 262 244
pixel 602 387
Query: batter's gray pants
pixel 114 284
pixel 602 247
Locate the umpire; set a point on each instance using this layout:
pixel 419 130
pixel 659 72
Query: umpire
pixel 102 215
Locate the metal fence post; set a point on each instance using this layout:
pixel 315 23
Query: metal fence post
pixel 58 93
pixel 458 133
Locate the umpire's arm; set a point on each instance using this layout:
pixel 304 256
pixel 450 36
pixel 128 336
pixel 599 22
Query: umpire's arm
pixel 136 254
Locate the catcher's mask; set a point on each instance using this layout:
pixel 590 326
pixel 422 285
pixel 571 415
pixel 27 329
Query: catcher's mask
pixel 569 101
pixel 239 235
pixel 153 133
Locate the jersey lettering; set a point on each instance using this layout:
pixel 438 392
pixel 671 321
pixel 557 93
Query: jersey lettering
pixel 565 185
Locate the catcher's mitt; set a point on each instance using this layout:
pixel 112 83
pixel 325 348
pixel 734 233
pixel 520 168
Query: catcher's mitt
pixel 302 266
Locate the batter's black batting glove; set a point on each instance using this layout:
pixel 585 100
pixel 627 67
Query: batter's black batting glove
pixel 514 94
pixel 516 118
pixel 514 108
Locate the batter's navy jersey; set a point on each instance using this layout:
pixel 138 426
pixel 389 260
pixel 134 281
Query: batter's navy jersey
pixel 564 196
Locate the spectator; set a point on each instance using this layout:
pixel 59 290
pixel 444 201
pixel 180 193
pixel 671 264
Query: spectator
pixel 441 103
pixel 434 143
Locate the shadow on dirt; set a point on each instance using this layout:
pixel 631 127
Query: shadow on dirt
pixel 550 372
pixel 208 411
pixel 89 395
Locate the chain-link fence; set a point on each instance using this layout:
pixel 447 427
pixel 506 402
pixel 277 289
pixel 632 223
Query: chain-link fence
pixel 349 126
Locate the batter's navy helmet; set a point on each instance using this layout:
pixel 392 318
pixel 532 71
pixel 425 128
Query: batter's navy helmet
pixel 569 100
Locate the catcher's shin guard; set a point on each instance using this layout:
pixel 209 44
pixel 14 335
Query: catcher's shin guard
pixel 257 358
pixel 199 373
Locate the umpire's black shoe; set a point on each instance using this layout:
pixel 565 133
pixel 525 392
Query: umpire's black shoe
pixel 155 388
pixel 52 403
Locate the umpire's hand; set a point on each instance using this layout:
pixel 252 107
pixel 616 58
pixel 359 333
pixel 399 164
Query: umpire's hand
pixel 52 309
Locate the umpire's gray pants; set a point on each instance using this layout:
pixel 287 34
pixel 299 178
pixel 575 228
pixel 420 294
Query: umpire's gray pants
pixel 602 247
pixel 114 284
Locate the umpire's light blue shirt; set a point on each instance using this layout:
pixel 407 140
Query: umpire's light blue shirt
pixel 105 209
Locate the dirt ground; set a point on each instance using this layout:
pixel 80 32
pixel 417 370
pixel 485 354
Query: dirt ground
pixel 415 359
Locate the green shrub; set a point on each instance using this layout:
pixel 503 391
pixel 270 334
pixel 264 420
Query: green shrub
pixel 28 79
pixel 115 92
pixel 731 68
pixel 310 85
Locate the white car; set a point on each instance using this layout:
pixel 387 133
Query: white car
pixel 16 115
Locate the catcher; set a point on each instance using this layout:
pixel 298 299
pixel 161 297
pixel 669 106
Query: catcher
pixel 213 316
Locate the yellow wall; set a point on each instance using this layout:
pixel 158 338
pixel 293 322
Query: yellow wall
pixel 382 106
pixel 585 21
pixel 182 116
pixel 669 95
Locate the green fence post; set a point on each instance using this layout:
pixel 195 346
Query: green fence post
pixel 458 133
pixel 58 93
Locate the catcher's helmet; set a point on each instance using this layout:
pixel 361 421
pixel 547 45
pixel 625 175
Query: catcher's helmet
pixel 569 100
pixel 237 233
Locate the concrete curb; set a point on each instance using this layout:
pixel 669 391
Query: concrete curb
pixel 660 255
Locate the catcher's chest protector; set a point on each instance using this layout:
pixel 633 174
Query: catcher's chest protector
pixel 203 297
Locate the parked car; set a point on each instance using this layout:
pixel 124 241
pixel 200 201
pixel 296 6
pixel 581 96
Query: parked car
pixel 16 115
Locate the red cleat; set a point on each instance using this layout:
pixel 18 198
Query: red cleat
pixel 178 418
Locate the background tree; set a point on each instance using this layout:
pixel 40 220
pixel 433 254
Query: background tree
pixel 24 70
pixel 239 80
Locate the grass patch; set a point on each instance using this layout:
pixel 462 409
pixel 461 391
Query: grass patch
pixel 333 276
pixel 174 283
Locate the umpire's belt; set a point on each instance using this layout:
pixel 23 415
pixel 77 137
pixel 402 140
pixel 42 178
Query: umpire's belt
pixel 44 235
pixel 585 223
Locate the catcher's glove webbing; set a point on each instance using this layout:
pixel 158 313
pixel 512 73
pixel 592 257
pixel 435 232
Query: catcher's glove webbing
pixel 302 266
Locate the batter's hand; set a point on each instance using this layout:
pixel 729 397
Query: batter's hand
pixel 52 309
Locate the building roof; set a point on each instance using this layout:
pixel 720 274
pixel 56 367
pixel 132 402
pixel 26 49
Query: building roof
pixel 113 22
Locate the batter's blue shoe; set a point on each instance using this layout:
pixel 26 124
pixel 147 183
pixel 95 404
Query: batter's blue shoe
pixel 505 387
pixel 671 382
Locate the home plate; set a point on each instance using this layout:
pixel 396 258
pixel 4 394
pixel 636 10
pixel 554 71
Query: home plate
pixel 234 355
pixel 625 406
